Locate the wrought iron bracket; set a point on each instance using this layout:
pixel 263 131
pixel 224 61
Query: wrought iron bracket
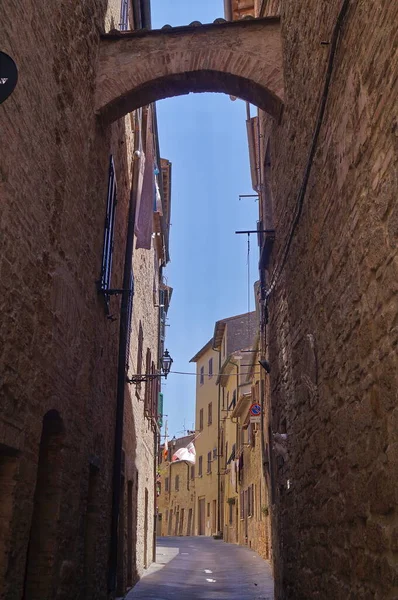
pixel 137 379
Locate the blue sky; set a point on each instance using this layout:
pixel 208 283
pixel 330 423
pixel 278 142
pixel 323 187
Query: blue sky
pixel 204 136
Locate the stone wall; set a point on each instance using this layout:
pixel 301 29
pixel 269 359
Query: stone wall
pixel 332 329
pixel 177 506
pixel 59 349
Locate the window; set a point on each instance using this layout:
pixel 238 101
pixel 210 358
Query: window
pixel 139 351
pixel 209 462
pixel 129 316
pixel 214 453
pixel 231 512
pixel 232 405
pixel 167 515
pixel 242 505
pixel 210 413
pixel 192 472
pixel 166 484
pixel 250 500
pixel 124 15
pixel 154 393
pixel 210 368
pixel 208 509
pixel 201 419
pixel 202 375
pixel 106 265
pixel 148 388
pixel 200 466
pixel 177 483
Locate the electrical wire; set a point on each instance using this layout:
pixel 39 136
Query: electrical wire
pixel 213 374
pixel 321 112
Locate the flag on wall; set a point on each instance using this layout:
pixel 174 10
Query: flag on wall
pixel 166 449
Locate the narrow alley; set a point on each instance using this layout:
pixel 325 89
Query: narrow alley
pixel 201 568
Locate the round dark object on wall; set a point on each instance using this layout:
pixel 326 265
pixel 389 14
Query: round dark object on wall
pixel 8 76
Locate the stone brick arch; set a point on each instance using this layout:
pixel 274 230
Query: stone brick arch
pixel 241 58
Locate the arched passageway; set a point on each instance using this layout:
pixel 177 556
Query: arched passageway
pixel 242 58
pixel 43 541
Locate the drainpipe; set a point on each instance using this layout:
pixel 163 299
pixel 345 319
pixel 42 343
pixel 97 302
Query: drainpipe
pixel 121 384
pixel 155 512
pixel 156 440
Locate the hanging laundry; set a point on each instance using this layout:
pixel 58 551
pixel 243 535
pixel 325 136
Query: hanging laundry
pixel 188 454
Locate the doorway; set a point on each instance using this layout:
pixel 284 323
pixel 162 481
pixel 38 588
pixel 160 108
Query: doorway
pixel 90 533
pixel 43 540
pixel 201 516
pixel 189 527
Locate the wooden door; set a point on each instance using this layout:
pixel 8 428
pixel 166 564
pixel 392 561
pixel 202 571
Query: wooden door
pixel 189 528
pixel 201 517
pixel 214 516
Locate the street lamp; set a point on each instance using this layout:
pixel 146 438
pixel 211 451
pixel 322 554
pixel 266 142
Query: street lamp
pixel 166 363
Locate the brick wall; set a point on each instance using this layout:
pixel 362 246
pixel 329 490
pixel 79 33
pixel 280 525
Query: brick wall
pixel 175 505
pixel 332 330
pixel 59 350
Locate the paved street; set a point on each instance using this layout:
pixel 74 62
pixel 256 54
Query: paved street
pixel 200 568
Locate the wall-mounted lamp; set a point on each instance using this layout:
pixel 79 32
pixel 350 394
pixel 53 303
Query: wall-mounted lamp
pixel 167 361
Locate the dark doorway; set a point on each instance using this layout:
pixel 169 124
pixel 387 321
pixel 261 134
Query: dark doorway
pixel 201 517
pixel 120 569
pixel 189 529
pixel 129 534
pixel 40 575
pixel 8 474
pixel 90 534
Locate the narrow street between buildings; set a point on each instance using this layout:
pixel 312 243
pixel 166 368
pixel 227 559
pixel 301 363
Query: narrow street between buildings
pixel 190 568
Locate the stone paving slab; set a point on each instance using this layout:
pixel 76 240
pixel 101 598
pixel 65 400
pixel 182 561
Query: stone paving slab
pixel 201 568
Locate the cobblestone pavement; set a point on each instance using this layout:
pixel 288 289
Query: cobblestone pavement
pixel 200 568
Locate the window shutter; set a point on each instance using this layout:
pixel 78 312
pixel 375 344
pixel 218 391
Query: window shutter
pixel 124 15
pixel 148 387
pixel 160 409
pixel 106 265
pixel 129 318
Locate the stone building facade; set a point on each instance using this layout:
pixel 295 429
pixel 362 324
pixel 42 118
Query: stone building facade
pixel 328 188
pixel 176 492
pixel 206 427
pixel 61 381
pixel 328 185
pixel 245 498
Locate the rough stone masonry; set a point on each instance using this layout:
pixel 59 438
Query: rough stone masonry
pixel 333 313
